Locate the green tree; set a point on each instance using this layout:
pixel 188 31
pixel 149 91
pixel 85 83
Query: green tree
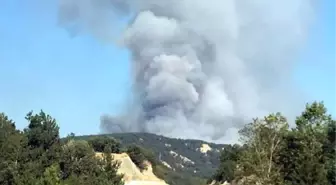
pixel 137 156
pixel 51 176
pixel 77 158
pixel 10 139
pixel 264 140
pixel 304 157
pixel 330 151
pixel 43 141
pixel 111 167
pixel 228 163
pixel 40 147
pixel 42 131
pixel 79 165
pixel 99 143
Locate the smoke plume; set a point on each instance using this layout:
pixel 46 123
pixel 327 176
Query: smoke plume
pixel 200 69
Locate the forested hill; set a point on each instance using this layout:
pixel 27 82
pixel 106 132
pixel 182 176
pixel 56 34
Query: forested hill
pixel 271 153
pixel 192 157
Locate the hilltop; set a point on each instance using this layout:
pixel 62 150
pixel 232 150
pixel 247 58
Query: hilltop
pixel 193 159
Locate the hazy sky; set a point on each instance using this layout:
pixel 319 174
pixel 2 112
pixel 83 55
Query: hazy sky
pixel 78 79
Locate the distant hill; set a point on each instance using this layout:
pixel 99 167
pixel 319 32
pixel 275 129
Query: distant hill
pixel 186 157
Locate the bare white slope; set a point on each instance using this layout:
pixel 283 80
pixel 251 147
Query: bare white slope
pixel 132 175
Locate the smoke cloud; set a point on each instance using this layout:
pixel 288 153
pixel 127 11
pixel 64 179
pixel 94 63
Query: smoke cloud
pixel 200 69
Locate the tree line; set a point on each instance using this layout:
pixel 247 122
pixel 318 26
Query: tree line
pixel 271 153
pixel 38 156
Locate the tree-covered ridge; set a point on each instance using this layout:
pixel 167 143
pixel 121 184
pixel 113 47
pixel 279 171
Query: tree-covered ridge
pixel 156 149
pixel 200 164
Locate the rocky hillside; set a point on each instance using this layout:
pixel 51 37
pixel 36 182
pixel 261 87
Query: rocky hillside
pixel 188 157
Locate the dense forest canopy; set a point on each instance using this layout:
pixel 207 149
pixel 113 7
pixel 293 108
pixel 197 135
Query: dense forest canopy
pixel 271 153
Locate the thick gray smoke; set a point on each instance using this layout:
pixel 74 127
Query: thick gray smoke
pixel 200 69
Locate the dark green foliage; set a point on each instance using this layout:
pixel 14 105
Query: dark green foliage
pixel 41 146
pixel 37 156
pixel 10 140
pixel 330 152
pixel 99 144
pixel 79 162
pixel 42 131
pixel 137 156
pixel 308 153
pixel 288 155
pixel 78 158
pixel 228 162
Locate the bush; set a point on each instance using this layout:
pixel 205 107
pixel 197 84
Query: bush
pixel 99 144
pixel 137 156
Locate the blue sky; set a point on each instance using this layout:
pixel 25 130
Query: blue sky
pixel 77 79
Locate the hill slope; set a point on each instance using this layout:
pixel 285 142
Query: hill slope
pixel 132 175
pixel 188 157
